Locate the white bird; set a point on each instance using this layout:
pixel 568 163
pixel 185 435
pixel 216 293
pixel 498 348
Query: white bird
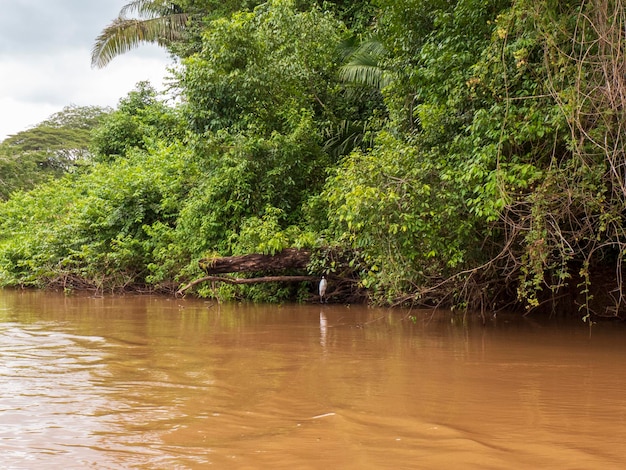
pixel 322 290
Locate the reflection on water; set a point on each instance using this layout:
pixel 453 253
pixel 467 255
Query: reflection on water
pixel 323 329
pixel 144 382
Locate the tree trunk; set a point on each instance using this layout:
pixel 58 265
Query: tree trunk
pixel 288 259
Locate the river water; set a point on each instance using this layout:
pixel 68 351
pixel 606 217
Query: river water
pixel 157 383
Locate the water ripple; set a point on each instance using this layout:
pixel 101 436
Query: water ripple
pixel 47 398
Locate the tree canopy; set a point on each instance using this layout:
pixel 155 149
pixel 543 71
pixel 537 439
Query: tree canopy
pixel 55 146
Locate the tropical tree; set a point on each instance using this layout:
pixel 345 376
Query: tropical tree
pixel 177 26
pixel 51 148
pixel 259 99
pixel 139 118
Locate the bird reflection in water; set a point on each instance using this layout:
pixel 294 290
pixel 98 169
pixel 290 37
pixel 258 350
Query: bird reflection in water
pixel 323 329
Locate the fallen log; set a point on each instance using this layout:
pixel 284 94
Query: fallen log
pixel 289 265
pixel 288 259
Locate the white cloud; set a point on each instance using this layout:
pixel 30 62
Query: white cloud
pixel 47 67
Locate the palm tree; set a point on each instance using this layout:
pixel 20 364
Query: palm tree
pixel 160 21
pixel 364 72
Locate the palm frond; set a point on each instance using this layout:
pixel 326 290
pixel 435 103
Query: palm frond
pixel 363 65
pixel 346 47
pixel 148 8
pixel 347 135
pixel 124 34
pixel 373 47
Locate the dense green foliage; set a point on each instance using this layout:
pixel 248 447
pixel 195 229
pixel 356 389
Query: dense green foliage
pixel 465 153
pixel 53 147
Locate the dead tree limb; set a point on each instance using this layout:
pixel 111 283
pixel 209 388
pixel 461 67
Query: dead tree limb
pixel 253 280
pixel 289 258
pixel 288 265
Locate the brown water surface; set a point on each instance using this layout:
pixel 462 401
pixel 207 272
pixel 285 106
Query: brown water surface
pixel 150 382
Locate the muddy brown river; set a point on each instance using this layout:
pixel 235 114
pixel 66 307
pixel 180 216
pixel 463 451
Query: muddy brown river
pixel 156 383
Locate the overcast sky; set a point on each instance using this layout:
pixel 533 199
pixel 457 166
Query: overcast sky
pixel 45 60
